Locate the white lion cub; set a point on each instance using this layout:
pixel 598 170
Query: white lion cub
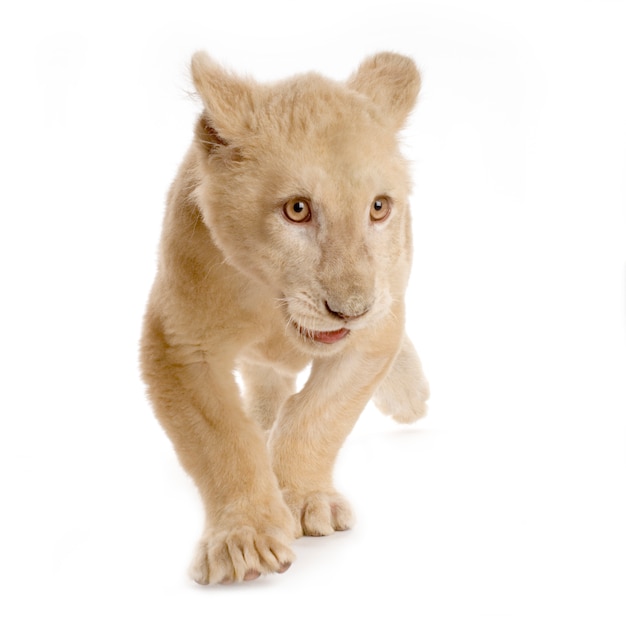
pixel 286 242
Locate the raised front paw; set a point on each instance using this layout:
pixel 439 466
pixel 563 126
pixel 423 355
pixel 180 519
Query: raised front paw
pixel 319 513
pixel 240 554
pixel 404 392
pixel 406 404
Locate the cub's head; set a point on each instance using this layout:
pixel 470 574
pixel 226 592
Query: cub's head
pixel 303 188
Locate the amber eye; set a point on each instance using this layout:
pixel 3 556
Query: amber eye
pixel 297 210
pixel 379 209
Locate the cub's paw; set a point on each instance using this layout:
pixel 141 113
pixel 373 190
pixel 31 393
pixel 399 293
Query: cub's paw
pixel 404 391
pixel 240 554
pixel 319 513
pixel 406 404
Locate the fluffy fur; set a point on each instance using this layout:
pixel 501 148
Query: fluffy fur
pixel 242 286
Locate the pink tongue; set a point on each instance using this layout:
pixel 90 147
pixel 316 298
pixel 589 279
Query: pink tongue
pixel 330 336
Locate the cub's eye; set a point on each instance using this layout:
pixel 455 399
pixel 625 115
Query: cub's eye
pixel 379 209
pixel 297 210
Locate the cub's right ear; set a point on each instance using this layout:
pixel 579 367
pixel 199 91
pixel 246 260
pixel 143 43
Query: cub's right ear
pixel 229 101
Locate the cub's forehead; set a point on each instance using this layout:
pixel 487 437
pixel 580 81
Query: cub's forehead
pixel 319 138
pixel 333 172
pixel 314 108
pixel 313 120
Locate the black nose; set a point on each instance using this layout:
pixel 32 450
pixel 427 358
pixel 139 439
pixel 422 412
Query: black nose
pixel 345 316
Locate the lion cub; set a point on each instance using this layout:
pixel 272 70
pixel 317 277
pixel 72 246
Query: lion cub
pixel 286 242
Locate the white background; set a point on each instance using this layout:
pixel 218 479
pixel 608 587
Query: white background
pixel 507 504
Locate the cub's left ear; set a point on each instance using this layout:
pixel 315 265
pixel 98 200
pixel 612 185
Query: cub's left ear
pixel 392 81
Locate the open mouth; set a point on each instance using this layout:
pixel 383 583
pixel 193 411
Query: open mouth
pixel 324 336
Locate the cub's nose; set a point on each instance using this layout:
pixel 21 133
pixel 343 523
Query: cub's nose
pixel 346 317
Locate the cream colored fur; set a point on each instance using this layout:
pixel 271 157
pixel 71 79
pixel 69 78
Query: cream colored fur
pixel 240 286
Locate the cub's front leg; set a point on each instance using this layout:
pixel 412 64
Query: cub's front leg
pixel 310 430
pixel 248 526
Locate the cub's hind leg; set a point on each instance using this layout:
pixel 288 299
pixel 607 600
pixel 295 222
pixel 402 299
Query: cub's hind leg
pixel 404 392
pixel 265 391
pixel 248 525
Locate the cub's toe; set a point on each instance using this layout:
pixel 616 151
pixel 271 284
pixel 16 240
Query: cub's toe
pixel 241 554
